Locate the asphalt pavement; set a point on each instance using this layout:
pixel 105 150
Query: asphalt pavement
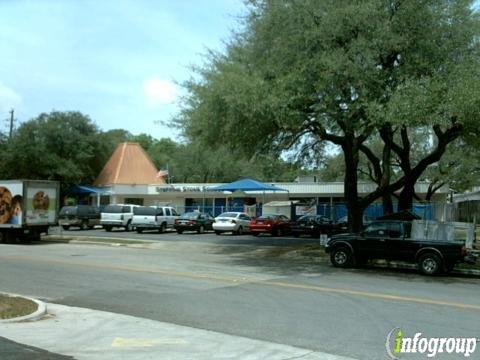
pixel 244 287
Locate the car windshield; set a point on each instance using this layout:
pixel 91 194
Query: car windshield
pixel 68 210
pixel 113 209
pixel 228 214
pixel 267 217
pixel 190 215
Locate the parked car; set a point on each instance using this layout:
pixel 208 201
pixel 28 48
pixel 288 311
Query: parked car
pixel 276 225
pixel 82 216
pixel 193 221
pixel 314 225
pixel 390 240
pixel 117 215
pixel 235 222
pixel 158 218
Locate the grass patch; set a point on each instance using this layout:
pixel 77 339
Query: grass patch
pixel 465 266
pixel 11 307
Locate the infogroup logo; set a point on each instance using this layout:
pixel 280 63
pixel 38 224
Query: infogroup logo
pixel 397 343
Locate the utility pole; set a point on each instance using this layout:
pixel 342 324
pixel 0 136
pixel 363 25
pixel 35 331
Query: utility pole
pixel 11 123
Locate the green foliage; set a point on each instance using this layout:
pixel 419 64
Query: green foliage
pixel 56 146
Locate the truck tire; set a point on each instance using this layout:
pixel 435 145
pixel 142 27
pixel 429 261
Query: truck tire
pixel 162 228
pixel 429 263
pixel 218 232
pixel 108 228
pixel 341 257
pixel 139 230
pixel 66 227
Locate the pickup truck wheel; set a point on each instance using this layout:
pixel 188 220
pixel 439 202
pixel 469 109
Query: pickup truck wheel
pixel 129 226
pixel 162 228
pixel 218 232
pixel 139 230
pixel 341 257
pixel 66 227
pixel 429 264
pixel 108 228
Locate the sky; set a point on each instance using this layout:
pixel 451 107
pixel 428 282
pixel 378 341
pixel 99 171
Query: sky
pixel 118 61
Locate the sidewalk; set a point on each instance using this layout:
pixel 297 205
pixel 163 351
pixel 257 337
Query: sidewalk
pixel 90 334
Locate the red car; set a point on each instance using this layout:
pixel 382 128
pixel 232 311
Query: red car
pixel 276 225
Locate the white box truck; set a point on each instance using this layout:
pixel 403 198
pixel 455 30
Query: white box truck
pixel 27 208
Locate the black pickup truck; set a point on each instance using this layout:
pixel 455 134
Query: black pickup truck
pixel 390 240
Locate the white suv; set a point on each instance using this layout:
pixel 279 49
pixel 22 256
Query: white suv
pixel 158 218
pixel 117 215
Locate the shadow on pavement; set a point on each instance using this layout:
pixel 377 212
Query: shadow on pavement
pixel 10 350
pixel 285 257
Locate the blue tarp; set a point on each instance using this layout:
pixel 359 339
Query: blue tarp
pixel 84 189
pixel 247 185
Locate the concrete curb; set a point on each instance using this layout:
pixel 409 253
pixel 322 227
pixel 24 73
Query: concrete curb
pixel 41 311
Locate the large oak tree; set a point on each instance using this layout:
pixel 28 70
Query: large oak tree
pixel 301 74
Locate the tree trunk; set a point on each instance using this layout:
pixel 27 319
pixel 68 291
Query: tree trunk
pixel 355 211
pixel 387 204
pixel 405 202
pixel 386 173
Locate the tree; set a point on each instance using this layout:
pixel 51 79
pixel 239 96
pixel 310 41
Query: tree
pixel 60 146
pixel 304 73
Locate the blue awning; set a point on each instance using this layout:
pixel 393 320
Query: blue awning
pixel 85 189
pixel 247 185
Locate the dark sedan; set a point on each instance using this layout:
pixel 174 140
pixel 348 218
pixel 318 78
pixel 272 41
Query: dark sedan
pixel 314 225
pixel 193 221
